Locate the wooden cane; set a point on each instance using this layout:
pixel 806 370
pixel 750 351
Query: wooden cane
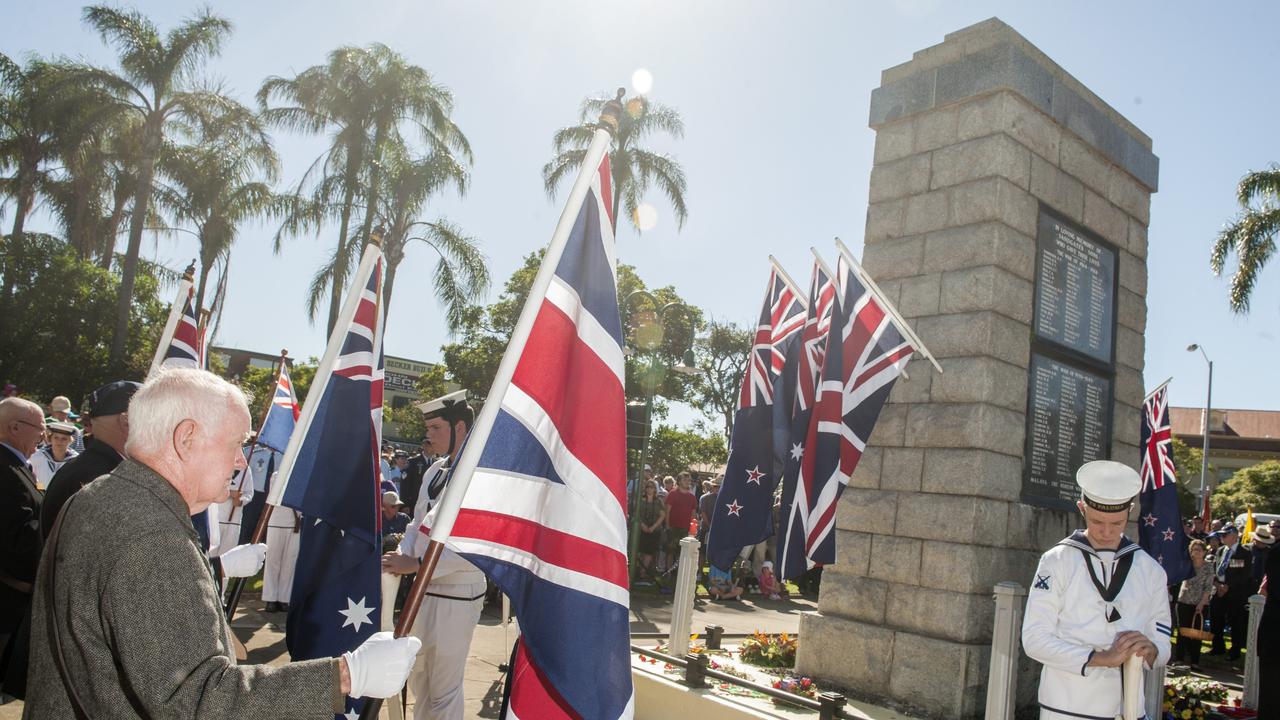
pixel 1134 701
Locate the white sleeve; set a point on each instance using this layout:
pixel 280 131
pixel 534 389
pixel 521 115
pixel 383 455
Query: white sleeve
pixel 414 543
pixel 1158 629
pixel 246 486
pixel 1040 636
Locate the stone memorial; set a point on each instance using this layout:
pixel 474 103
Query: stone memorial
pixel 1007 220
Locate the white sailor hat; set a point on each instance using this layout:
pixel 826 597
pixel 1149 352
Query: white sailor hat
pixel 1108 486
pixel 446 406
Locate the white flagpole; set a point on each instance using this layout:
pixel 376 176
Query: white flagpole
pixel 185 286
pixel 456 490
pixel 1147 399
pixel 795 289
pixel 888 306
pixel 825 267
pixel 371 254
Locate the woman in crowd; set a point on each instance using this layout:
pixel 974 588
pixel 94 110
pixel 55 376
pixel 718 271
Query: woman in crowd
pixel 652 513
pixel 1193 599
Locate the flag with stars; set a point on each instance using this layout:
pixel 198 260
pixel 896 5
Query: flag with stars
pixel 330 474
pixel 1159 520
pixel 283 415
pixel 744 508
pixel 813 346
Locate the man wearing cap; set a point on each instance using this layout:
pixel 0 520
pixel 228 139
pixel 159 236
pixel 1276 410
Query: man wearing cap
pixel 53 456
pixel 414 471
pixel 394 522
pixel 1095 600
pixel 107 409
pixel 1233 584
pixel 60 411
pixel 451 609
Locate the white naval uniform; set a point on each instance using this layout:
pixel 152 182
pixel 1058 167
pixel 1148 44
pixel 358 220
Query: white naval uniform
pixel 44 466
pixel 445 621
pixel 283 532
pixel 1068 618
pixel 225 517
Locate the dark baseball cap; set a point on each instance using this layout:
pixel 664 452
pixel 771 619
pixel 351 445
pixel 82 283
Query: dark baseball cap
pixel 111 399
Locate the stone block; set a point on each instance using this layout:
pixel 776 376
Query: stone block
pixel 1138 239
pixel 994 155
pixel 977 333
pixel 951 518
pixel 892 259
pixel 890 429
pixel 894 140
pixel 1131 311
pixel 1128 454
pixel 971 568
pixel 1036 529
pixel 1129 388
pixel 940 613
pixel 1057 189
pixel 969 425
pixel 853 552
pixel 852 596
pixel 1081 161
pixel 1130 347
pixel 994 198
pixel 867 511
pixel 925 213
pixel 1106 219
pixel 866 474
pixel 982 116
pixel 1133 273
pixel 919 664
pixel 969 471
pixel 1031 127
pixel 919 295
pixel 846 652
pixel 1126 424
pixel 987 288
pixel 914 387
pixel 987 243
pixel 981 379
pixel 899 178
pixel 885 220
pixel 902 469
pixel 895 559
pixel 1129 195
pixel 936 129
pixel 891 289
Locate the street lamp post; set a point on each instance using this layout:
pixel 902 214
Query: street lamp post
pixel 1208 404
pixel 647 336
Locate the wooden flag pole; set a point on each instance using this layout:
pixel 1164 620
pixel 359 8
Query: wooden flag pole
pixel 456 489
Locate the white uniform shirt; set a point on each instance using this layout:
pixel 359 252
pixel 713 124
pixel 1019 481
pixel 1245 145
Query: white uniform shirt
pixel 1068 619
pixel 224 517
pixel 259 461
pixel 452 569
pixel 44 466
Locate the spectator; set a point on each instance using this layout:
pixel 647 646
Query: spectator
pixel 1193 599
pixel 769 586
pixel 21 425
pixel 60 411
pixel 680 508
pixel 707 508
pixel 652 514
pixel 722 585
pixel 1234 586
pixel 49 458
pixel 394 521
pixel 1260 548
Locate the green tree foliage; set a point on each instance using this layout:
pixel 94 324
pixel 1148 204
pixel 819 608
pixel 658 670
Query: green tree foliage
pixel 1187 461
pixel 673 449
pixel 1251 237
pixel 722 356
pixel 259 383
pixel 63 312
pixel 1257 487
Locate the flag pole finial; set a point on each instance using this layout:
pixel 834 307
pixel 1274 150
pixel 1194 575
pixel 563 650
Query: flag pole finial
pixel 190 273
pixel 375 235
pixel 611 115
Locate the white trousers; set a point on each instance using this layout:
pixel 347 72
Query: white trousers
pixel 277 572
pixel 445 628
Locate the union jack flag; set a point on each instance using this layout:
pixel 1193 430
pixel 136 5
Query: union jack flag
pixel 330 474
pixel 185 346
pixel 283 415
pixel 1160 521
pixel 544 515
pixel 744 507
pixel 865 353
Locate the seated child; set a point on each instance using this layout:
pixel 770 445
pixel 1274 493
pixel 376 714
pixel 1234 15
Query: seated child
pixel 722 586
pixel 769 585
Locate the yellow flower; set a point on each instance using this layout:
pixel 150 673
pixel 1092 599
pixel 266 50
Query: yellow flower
pixel 1186 715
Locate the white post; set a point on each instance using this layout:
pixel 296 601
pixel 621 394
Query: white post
pixel 1002 680
pixel 390 587
pixel 683 599
pixel 1154 685
pixel 1256 603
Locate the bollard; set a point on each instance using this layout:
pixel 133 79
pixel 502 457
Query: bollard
pixel 1250 700
pixel 682 601
pixel 695 670
pixel 1154 685
pixel 391 586
pixel 1001 682
pixel 714 635
pixel 831 705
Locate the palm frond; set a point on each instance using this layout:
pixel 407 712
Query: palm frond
pixel 560 167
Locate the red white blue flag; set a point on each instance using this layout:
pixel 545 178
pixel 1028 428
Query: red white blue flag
pixel 283 415
pixel 184 349
pixel 865 353
pixel 544 515
pixel 1159 519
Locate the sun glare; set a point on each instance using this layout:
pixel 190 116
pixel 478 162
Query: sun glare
pixel 646 216
pixel 642 81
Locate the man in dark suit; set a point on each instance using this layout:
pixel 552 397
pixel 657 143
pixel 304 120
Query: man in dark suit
pixel 411 480
pixel 1235 584
pixel 21 428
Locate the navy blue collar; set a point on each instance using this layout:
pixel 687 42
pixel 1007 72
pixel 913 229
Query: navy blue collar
pixel 1079 540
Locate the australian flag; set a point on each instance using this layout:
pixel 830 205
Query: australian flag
pixel 544 515
pixel 283 415
pixel 744 508
pixel 1160 522
pixel 865 354
pixel 330 475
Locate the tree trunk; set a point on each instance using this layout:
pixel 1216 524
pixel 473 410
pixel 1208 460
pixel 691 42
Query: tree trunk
pixel 201 284
pixel 129 270
pixel 375 177
pixel 340 264
pixel 17 242
pixel 107 243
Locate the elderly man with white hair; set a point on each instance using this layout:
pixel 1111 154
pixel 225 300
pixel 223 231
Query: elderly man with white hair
pixel 126 620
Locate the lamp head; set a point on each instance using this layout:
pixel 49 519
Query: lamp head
pixel 1193 347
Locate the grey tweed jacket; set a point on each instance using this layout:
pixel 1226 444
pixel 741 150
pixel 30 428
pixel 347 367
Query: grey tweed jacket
pixel 141 623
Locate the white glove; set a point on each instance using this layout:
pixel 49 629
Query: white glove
pixel 243 560
pixel 381 664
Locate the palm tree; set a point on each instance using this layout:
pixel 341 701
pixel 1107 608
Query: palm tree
pixel 1252 237
pixel 219 182
pixel 155 85
pixel 461 274
pixel 635 169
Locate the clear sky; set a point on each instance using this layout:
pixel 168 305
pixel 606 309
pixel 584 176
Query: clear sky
pixel 777 149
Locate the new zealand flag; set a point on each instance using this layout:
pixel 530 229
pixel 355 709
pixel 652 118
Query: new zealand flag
pixel 1160 522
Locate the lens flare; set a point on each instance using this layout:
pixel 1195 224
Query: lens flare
pixel 642 81
pixel 646 216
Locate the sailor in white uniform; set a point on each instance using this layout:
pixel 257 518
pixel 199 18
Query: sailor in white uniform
pixel 227 515
pixel 1096 599
pixel 455 597
pixel 283 531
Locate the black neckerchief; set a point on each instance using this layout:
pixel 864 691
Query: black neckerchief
pixel 1124 562
pixel 436 484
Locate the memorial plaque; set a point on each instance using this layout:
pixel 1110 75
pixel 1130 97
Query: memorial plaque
pixel 1068 424
pixel 1075 288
